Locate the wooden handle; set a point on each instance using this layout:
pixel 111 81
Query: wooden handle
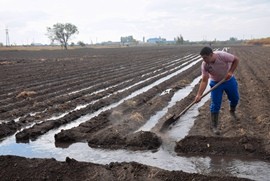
pixel 214 87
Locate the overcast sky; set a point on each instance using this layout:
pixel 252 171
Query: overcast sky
pixel 108 20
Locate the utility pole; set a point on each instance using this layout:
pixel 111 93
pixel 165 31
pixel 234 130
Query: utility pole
pixel 7 38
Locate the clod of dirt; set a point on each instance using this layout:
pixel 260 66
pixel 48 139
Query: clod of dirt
pixel 8 128
pixel 143 140
pixel 64 137
pixel 112 139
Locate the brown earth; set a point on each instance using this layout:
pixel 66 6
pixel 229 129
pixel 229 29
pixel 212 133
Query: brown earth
pixel 19 168
pixel 49 83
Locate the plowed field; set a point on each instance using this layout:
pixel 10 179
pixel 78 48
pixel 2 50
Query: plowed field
pixel 107 97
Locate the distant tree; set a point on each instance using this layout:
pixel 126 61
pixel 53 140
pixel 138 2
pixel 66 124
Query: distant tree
pixel 82 44
pixel 179 40
pixel 1 44
pixel 61 33
pixel 128 40
pixel 72 44
pixel 233 39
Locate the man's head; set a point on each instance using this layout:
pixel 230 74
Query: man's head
pixel 207 54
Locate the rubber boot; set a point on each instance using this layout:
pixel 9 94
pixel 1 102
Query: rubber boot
pixel 232 112
pixel 232 109
pixel 214 123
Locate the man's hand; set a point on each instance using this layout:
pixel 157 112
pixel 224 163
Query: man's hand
pixel 229 75
pixel 198 98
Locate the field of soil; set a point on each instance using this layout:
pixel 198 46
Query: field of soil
pixel 103 97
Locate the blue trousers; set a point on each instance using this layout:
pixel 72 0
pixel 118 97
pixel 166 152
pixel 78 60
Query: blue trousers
pixel 230 87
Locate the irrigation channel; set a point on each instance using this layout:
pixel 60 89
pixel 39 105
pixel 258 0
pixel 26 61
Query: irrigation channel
pixel 164 157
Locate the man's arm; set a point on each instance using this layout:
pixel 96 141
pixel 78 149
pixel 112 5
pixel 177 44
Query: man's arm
pixel 233 67
pixel 202 88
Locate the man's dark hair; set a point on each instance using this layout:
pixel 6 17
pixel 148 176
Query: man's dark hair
pixel 206 51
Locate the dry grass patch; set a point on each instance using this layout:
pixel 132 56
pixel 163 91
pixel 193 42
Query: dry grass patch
pixel 136 117
pixel 25 94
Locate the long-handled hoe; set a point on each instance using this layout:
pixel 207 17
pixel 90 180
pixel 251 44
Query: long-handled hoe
pixel 174 117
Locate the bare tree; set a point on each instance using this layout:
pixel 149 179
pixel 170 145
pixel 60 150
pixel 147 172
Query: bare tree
pixel 62 33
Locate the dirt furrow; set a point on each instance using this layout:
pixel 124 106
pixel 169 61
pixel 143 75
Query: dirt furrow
pixel 126 118
pixel 40 102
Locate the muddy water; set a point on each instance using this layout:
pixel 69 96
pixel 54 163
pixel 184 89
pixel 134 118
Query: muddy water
pixel 164 158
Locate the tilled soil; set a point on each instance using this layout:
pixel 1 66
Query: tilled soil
pixel 37 87
pixel 18 168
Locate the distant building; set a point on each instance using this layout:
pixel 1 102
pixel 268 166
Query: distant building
pixel 36 44
pixel 156 40
pixel 110 43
